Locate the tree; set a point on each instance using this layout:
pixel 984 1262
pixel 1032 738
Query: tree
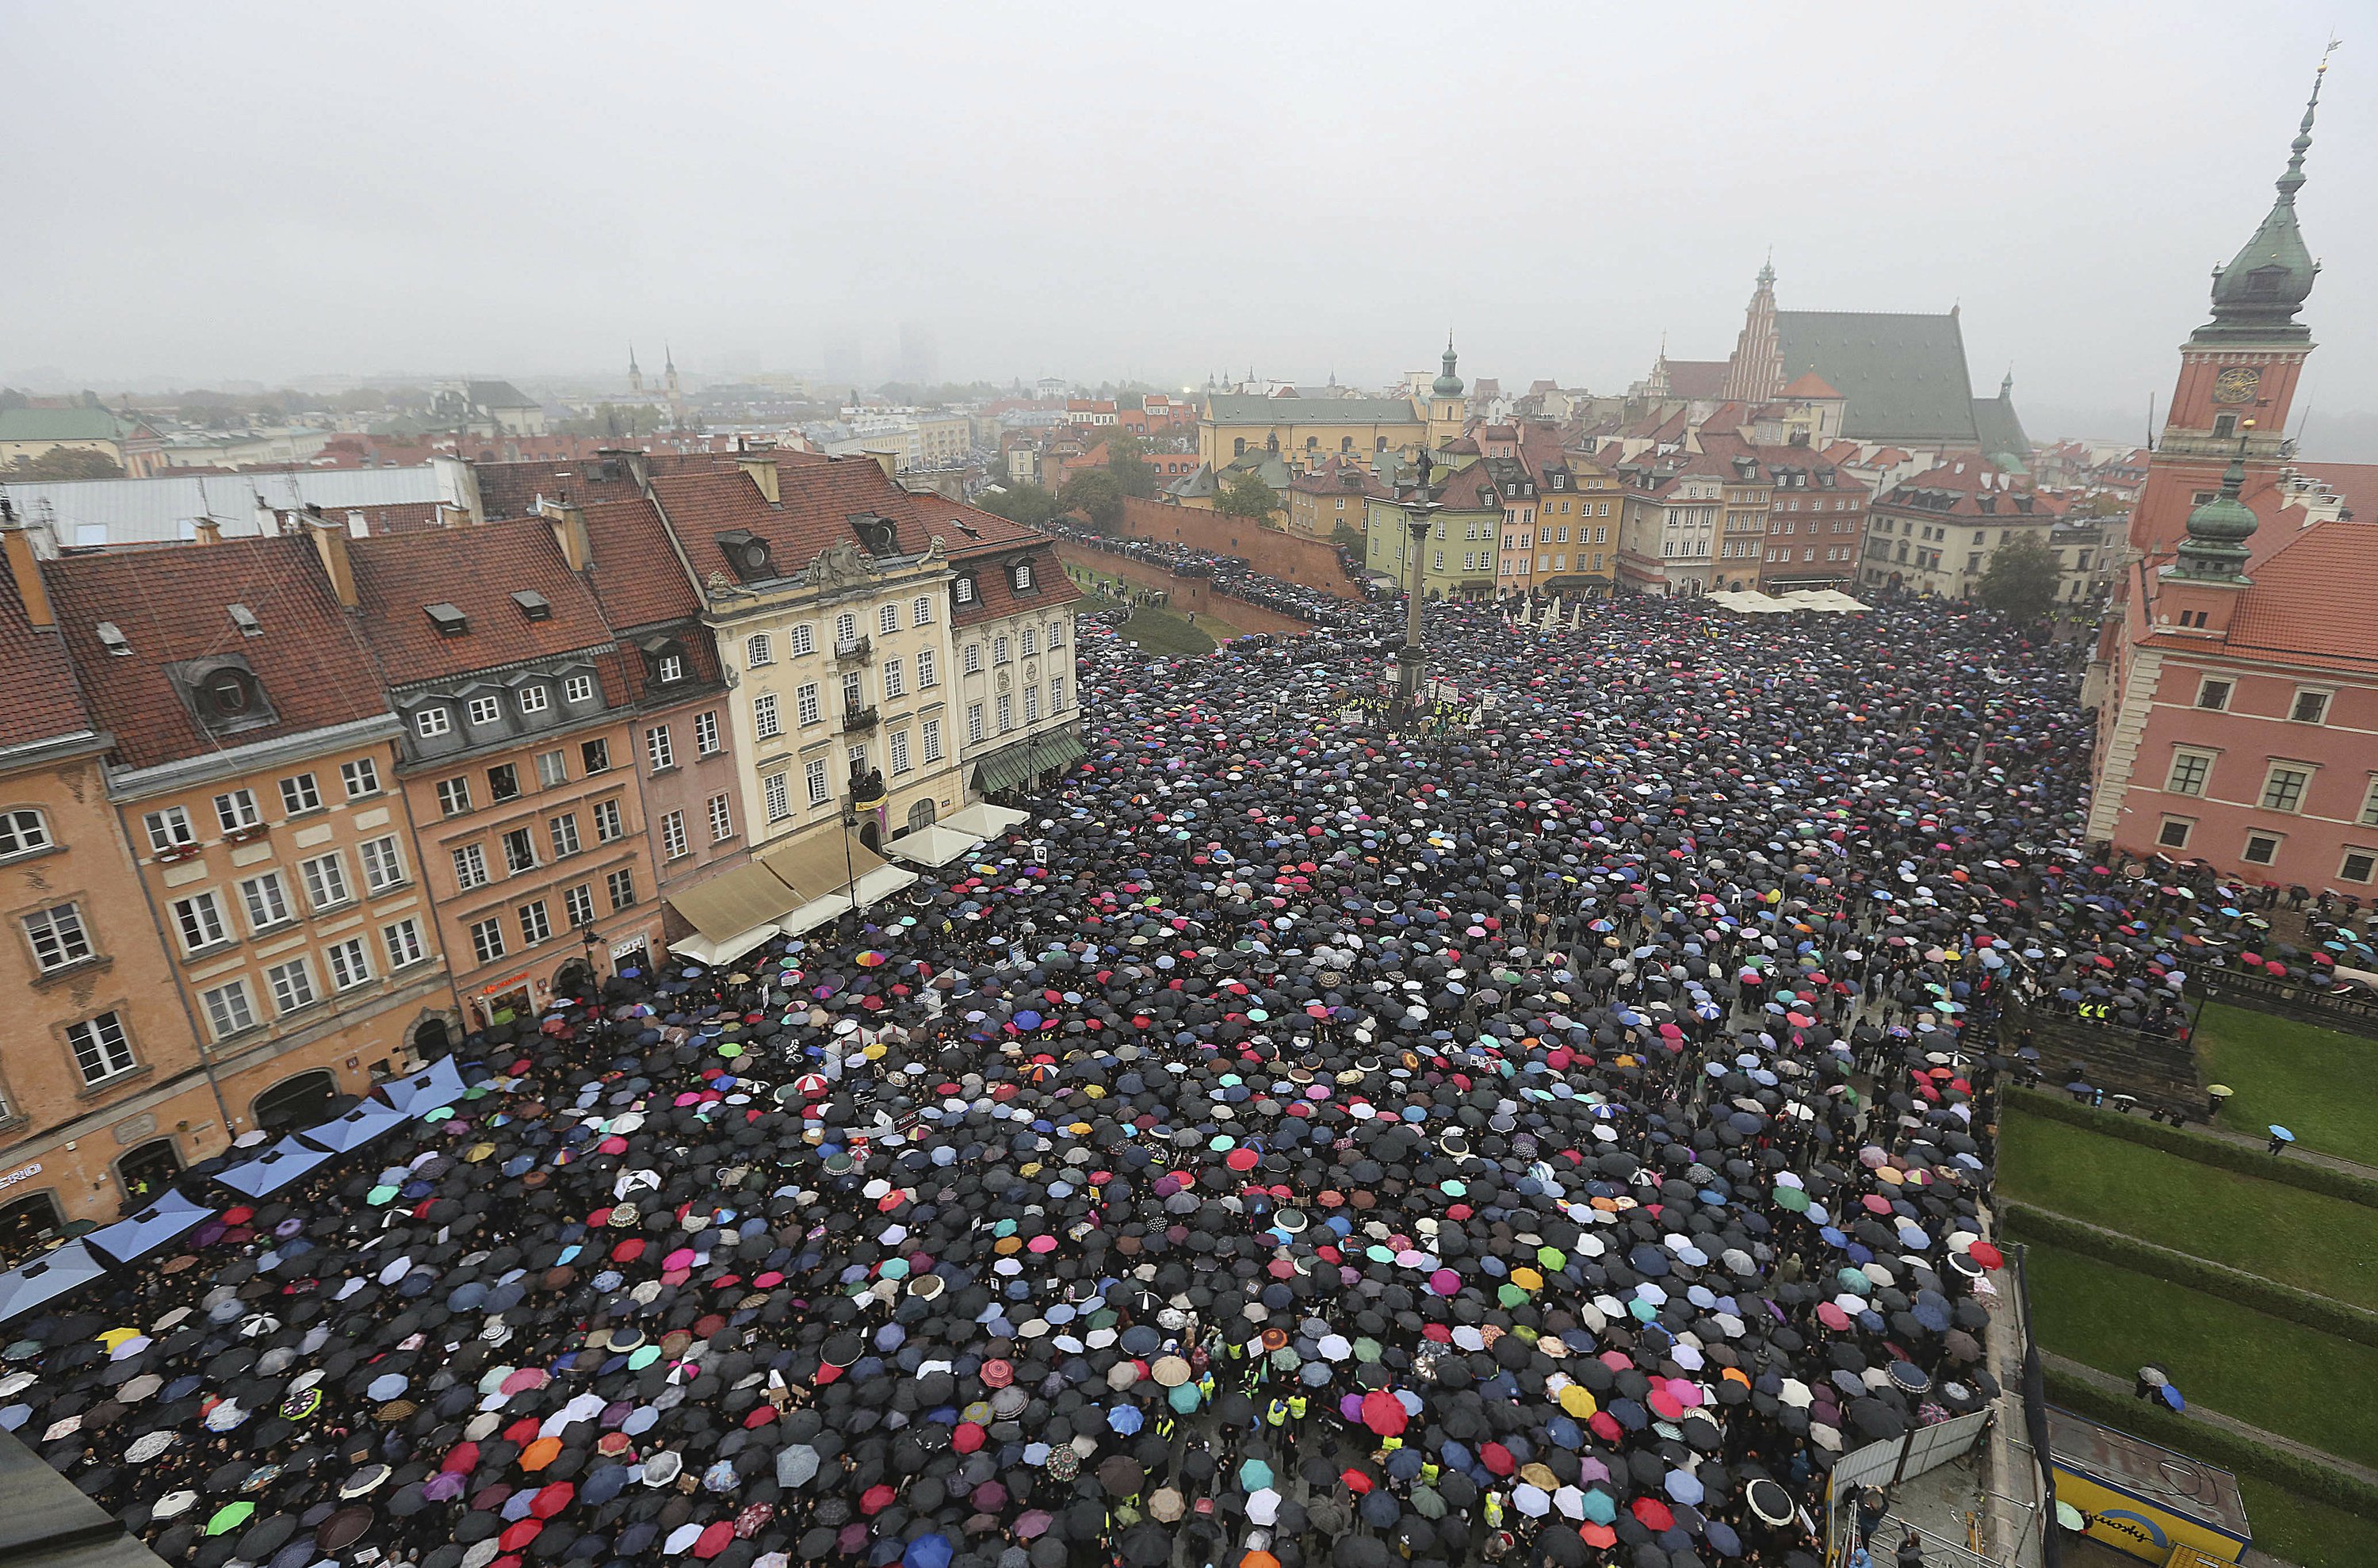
pixel 1026 503
pixel 1097 495
pixel 1126 460
pixel 1246 495
pixel 2022 579
pixel 66 463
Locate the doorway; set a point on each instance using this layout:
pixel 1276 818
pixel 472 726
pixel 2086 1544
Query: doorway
pixel 502 1007
pixel 28 1221
pixel 293 1103
pixel 431 1040
pixel 147 1171
pixel 871 834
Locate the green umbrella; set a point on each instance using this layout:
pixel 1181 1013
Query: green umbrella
pixel 230 1517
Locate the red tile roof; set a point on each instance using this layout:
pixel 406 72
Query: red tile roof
pixel 172 605
pixel 2314 598
pixel 995 594
pixel 39 700
pixel 2356 483
pixel 1810 385
pixel 1969 481
pixel 1696 378
pixel 817 503
pixel 636 574
pixel 478 570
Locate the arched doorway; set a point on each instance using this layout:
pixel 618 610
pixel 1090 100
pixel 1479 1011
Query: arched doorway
pixel 430 1040
pixel 574 978
pixel 149 1170
pixel 26 1222
pixel 870 834
pixel 920 814
pixel 296 1101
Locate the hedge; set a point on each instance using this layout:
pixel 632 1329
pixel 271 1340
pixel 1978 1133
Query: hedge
pixel 2243 1158
pixel 2307 1478
pixel 2313 1312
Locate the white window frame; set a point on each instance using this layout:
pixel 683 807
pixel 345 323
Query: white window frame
pixel 349 963
pixel 610 822
pixel 722 818
pixel 487 939
pixel 485 711
pixel 2271 784
pixel 808 706
pixel 300 793
pixel 265 890
pixel 230 1010
pixel 534 699
pixel 931 729
pixel 2326 695
pixel 804 639
pixel 24 831
pixel 431 722
pixel 705 734
pixel 401 940
pixel 235 811
pixel 471 866
pixel 552 768
pixel 659 748
pixel 562 832
pixel 814 777
pixel 898 751
pixel 292 986
pixel 361 777
pixel 929 673
pixel 675 845
pixel 383 862
pixel 326 881
pixel 920 611
pixel 2181 758
pixel 887 619
pixel 199 913
pixel 776 797
pixel 169 827
pixel 536 922
pixel 765 723
pixel 759 650
pixel 577 689
pixel 2229 685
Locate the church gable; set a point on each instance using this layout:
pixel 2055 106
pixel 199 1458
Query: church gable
pixel 1903 375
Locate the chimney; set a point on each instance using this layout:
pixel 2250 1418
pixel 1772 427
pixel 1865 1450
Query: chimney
pixel 207 531
pixel 888 462
pixel 26 569
pixel 761 466
pixel 330 544
pixel 568 520
pixel 453 516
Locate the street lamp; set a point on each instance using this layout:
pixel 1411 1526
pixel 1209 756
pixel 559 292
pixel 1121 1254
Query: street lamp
pixel 1421 507
pixel 592 941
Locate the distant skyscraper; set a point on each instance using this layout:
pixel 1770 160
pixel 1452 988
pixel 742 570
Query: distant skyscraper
pixel 919 360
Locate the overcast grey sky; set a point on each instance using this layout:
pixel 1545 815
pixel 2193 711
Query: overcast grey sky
pixel 276 191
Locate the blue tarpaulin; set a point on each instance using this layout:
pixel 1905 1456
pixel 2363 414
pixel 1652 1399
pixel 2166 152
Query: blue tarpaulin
pixel 163 1221
pixel 274 1169
pixel 22 1290
pixel 440 1083
pixel 358 1128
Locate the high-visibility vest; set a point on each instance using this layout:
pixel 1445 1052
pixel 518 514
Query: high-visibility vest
pixel 1275 1412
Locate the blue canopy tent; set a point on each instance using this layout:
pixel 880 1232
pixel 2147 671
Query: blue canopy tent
pixel 163 1221
pixel 22 1290
pixel 342 1135
pixel 440 1083
pixel 274 1169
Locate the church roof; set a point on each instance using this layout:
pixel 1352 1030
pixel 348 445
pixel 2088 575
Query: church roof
pixel 1903 375
pixel 2002 438
pixel 1696 378
pixel 1247 408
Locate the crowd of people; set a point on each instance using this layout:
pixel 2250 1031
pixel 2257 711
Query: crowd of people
pixel 1550 1138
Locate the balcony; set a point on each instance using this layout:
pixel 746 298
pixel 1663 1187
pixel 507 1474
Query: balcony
pixel 859 718
pixel 853 650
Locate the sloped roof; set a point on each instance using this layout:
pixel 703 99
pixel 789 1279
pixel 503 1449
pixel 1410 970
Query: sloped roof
pixel 2000 432
pixel 1903 376
pixel 173 605
pixel 1247 408
pixel 1695 379
pixel 636 574
pixel 478 570
pixel 2355 483
pixel 500 394
pixel 1968 483
pixel 1810 385
pixel 2314 598
pixel 61 425
pixel 39 701
pixel 818 502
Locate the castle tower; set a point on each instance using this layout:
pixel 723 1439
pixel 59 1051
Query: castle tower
pixel 2239 371
pixel 1448 411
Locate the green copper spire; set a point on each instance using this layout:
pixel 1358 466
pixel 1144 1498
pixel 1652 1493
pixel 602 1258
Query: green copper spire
pixel 2267 282
pixel 2216 550
pixel 1448 384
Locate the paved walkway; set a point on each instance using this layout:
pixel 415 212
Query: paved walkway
pixel 2196 1412
pixel 2297 1151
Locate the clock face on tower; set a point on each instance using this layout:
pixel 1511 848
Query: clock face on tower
pixel 2236 384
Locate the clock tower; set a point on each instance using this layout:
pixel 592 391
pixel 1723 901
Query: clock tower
pixel 2237 372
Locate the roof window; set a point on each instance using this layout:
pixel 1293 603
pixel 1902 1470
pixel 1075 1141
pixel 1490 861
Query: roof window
pixel 534 605
pixel 449 619
pixel 245 619
pixel 112 638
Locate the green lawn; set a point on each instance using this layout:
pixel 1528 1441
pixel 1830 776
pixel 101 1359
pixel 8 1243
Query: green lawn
pixel 1156 632
pixel 2316 1082
pixel 2302 1530
pixel 2271 1373
pixel 2282 1233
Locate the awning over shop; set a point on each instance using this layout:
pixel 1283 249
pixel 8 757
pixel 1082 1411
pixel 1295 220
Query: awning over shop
pixel 881 883
pixel 735 902
pixel 703 951
pixel 47 1278
pixel 932 845
pixel 274 1169
pixel 984 820
pixel 819 863
pixel 440 1083
pixel 816 912
pixel 1027 759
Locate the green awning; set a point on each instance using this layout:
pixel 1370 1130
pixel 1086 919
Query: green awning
pixel 1026 760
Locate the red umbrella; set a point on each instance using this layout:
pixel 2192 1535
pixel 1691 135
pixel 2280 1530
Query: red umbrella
pixel 552 1500
pixel 521 1534
pixel 713 1539
pixel 1985 1254
pixel 1384 1414
pixel 876 1498
pixel 1654 1513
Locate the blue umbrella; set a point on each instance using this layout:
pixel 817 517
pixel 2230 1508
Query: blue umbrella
pixel 2282 1134
pixel 2171 1397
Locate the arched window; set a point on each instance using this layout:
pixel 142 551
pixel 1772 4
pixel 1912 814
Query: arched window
pixel 1239 447
pixel 28 1220
pixel 296 1101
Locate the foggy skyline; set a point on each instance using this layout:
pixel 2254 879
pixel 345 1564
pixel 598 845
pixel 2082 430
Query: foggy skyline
pixel 263 194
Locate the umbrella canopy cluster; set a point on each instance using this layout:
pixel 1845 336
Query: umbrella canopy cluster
pixel 1318 1142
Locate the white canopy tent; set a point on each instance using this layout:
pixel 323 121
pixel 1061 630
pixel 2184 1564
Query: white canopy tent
pixel 934 844
pixel 984 820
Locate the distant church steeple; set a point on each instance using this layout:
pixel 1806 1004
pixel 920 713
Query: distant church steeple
pixel 1755 374
pixel 635 375
pixel 669 368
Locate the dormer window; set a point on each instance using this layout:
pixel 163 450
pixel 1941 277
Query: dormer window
pixel 447 619
pixel 877 535
pixel 223 693
pixel 534 605
pixel 747 553
pixel 245 619
pixel 962 591
pixel 1022 577
pixel 664 660
pixel 486 711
